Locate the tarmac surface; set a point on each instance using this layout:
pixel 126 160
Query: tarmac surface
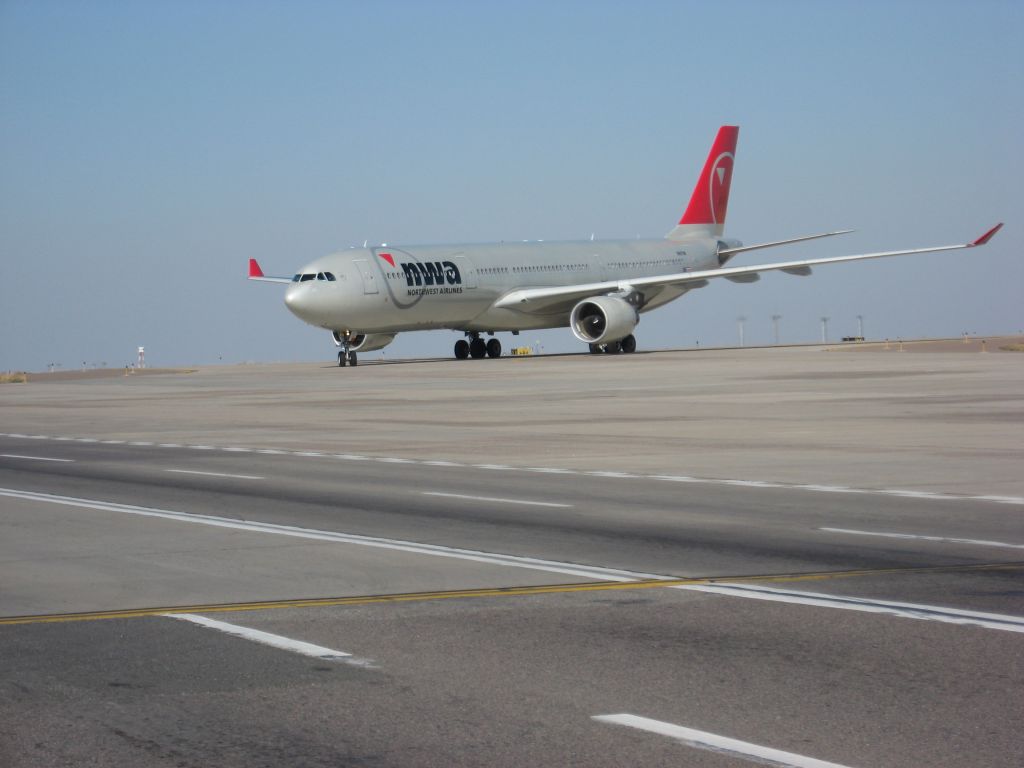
pixel 710 558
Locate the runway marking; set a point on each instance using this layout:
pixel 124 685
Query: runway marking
pixel 266 638
pixel 214 474
pixel 715 743
pixel 904 610
pixel 943 539
pixel 436 550
pixel 497 501
pixel 35 458
pixel 461 594
pixel 734 482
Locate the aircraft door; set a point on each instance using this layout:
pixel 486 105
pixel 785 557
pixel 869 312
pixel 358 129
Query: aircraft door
pixel 369 279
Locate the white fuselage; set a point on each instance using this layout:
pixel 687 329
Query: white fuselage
pixel 388 289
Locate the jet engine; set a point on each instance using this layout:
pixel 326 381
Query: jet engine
pixel 366 342
pixel 603 320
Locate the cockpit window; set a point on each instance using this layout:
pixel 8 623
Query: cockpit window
pixel 329 276
pixel 307 276
pixel 296 278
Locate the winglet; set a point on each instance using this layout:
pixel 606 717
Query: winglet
pixel 988 235
pixel 254 269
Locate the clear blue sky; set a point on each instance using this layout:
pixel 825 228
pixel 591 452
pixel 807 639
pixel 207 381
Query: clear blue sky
pixel 147 150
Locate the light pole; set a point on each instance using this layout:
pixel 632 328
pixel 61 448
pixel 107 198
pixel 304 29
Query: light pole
pixel 739 324
pixel 775 327
pixel 824 330
pixel 860 326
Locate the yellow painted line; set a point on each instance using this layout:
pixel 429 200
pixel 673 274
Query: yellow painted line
pixel 600 586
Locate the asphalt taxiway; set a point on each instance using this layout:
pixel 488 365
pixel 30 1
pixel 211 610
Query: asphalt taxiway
pixel 674 558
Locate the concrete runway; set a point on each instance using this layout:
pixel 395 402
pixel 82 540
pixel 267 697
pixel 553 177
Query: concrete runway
pixel 466 563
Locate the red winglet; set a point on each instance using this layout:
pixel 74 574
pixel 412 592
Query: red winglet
pixel 254 269
pixel 988 235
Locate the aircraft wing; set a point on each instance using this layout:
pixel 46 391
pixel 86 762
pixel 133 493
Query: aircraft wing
pixel 543 299
pixel 256 273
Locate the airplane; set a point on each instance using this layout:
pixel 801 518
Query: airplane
pixel 366 296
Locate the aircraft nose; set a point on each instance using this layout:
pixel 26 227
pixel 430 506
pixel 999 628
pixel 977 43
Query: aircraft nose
pixel 297 299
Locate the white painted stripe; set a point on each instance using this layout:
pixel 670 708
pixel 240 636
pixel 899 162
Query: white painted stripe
pixel 34 458
pixel 202 447
pixel 827 488
pixel 350 457
pixel 435 463
pixel 888 607
pixel 234 449
pixel 513 561
pixel 603 473
pixel 716 743
pixel 266 638
pixel 390 460
pixel 140 442
pixel 552 470
pixel 492 466
pixel 499 501
pixel 112 442
pixel 214 474
pixel 943 539
pixel 169 445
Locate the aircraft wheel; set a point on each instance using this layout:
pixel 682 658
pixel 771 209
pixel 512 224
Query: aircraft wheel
pixel 629 344
pixel 341 359
pixel 352 359
pixel 493 348
pixel 595 349
pixel 477 348
pixel 461 349
pixel 614 348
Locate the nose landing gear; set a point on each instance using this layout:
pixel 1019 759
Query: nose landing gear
pixel 346 354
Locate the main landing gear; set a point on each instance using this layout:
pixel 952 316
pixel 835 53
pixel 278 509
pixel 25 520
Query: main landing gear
pixel 476 347
pixel 626 345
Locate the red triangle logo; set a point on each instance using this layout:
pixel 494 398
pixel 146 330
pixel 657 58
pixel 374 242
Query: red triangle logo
pixel 388 258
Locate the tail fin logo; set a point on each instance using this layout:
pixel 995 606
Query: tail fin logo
pixel 718 187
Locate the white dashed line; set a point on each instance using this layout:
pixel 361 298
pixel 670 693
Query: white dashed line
pixel 715 743
pixel 919 537
pixel 809 487
pixel 266 638
pixel 496 501
pixel 34 458
pixel 214 474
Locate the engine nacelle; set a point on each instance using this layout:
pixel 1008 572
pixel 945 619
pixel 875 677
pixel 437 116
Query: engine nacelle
pixel 603 320
pixel 366 342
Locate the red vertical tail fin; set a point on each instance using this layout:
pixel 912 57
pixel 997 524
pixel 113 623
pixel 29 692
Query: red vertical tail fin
pixel 709 202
